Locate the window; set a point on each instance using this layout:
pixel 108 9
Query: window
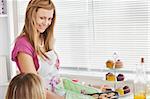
pixel 120 26
pixel 88 32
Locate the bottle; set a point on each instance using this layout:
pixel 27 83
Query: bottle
pixel 140 81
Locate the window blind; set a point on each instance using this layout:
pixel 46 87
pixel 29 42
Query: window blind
pixel 88 32
pixel 120 26
pixel 72 32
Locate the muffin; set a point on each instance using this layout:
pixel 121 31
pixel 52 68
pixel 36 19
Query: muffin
pixel 118 64
pixel 110 77
pixel 103 96
pixel 120 91
pixel 110 64
pixel 120 77
pixel 126 89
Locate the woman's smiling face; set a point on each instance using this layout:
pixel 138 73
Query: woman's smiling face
pixel 43 19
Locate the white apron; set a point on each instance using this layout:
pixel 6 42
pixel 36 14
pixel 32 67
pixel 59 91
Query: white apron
pixel 49 71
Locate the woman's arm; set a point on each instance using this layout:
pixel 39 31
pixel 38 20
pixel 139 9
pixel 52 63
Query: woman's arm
pixel 27 66
pixel 26 63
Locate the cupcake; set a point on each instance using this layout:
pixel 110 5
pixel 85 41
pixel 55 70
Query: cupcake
pixel 110 64
pixel 118 64
pixel 120 77
pixel 126 89
pixel 120 91
pixel 110 77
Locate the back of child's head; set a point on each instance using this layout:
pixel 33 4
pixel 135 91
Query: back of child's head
pixel 25 86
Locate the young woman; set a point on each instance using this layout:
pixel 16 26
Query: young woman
pixel 33 51
pixel 26 86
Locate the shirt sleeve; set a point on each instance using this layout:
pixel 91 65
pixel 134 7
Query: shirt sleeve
pixel 21 45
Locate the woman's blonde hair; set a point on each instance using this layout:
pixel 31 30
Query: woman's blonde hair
pixel 26 86
pixel 30 22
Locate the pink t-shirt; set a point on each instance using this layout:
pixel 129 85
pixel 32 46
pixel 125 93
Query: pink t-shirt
pixel 23 45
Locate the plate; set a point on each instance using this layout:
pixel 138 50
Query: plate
pixel 109 94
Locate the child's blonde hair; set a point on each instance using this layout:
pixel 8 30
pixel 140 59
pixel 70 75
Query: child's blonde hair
pixel 25 86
